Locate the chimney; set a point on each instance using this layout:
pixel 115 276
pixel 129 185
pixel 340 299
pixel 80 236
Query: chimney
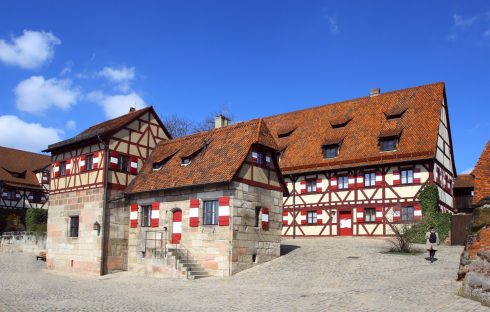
pixel 132 109
pixel 221 121
pixel 374 92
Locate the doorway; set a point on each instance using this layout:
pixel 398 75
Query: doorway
pixel 176 226
pixel 345 219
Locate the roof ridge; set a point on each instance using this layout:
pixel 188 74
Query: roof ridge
pixel 24 151
pixel 121 116
pixel 357 99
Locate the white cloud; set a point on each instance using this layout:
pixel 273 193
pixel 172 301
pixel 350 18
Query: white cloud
pixel 121 76
pixel 36 94
pixel 71 125
pixel 334 27
pixel 459 21
pixel 117 105
pixel 30 50
pixel 19 134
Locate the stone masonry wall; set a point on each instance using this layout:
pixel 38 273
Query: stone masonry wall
pixel 117 217
pixel 254 245
pixel 82 253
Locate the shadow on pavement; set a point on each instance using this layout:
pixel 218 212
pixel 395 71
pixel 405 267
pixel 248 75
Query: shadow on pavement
pixel 285 249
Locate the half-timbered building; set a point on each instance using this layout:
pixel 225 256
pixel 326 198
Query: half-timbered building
pixel 87 220
pixel 214 197
pixel 356 167
pixel 24 183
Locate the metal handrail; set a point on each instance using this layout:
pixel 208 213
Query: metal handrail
pixel 163 242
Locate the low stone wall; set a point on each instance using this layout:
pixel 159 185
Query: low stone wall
pixel 22 242
pixel 474 268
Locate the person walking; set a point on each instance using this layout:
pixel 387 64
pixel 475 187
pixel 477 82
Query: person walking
pixel 432 238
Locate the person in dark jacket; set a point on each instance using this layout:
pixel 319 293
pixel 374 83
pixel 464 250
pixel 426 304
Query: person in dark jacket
pixel 432 241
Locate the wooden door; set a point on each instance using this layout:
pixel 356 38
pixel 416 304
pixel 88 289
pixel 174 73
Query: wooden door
pixel 345 218
pixel 176 226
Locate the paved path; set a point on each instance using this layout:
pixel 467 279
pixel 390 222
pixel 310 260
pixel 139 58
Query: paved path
pixel 341 274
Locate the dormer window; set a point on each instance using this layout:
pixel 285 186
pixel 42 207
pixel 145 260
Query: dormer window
pixel 396 112
pixel 388 144
pixel 331 151
pixel 340 122
pixel 285 132
pixel 186 161
pixel 157 166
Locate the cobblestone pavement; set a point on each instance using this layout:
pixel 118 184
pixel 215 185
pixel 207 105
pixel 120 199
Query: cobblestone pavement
pixel 342 274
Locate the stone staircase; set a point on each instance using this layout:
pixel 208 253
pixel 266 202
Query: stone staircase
pixel 183 262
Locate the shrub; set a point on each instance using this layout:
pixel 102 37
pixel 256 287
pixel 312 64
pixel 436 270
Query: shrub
pixel 36 220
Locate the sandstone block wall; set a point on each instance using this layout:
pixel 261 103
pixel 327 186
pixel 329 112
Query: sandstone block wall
pixel 82 253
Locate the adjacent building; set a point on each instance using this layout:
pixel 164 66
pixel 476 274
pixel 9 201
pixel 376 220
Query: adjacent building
pixel 24 183
pixel 215 195
pixel 88 220
pixel 481 174
pixel 355 168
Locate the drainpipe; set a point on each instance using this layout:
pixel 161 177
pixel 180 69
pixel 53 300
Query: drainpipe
pixel 293 179
pixel 104 207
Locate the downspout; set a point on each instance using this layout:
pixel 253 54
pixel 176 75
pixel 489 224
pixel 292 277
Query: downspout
pixel 294 205
pixel 104 207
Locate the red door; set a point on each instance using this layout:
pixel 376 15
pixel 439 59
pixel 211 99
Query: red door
pixel 176 227
pixel 345 218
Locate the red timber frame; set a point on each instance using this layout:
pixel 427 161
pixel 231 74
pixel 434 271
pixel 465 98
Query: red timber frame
pixel 74 182
pixel 326 205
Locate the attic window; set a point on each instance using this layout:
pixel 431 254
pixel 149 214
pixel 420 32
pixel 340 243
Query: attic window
pixel 187 160
pixel 157 165
pixel 395 113
pixel 388 144
pixel 285 132
pixel 331 151
pixel 340 122
pixel 18 175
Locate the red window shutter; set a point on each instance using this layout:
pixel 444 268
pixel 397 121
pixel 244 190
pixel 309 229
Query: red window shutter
pixel 133 215
pixel 379 214
pixel 416 176
pixel 265 218
pixel 155 214
pixel 396 177
pixel 333 183
pixel 194 213
pixel 82 164
pixel 379 179
pixel 114 160
pixel 96 160
pixel 303 217
pixel 417 212
pixel 319 185
pixel 133 165
pixel 56 169
pixel 68 166
pixel 360 181
pixel 224 211
pixel 319 216
pixel 303 186
pixel 285 218
pixel 396 214
pixel 352 181
pixel 360 215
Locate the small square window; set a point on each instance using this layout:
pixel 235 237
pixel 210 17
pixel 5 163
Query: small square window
pixel 369 215
pixel 331 151
pixel 407 214
pixel 211 212
pixel 63 168
pixel 343 182
pixel 388 144
pixel 311 217
pixel 145 215
pixel 311 185
pixel 74 224
pixel 370 179
pixel 407 176
pixel 89 162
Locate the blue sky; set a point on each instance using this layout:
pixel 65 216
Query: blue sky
pixel 66 65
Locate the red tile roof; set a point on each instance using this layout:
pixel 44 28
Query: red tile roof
pixel 481 172
pixel 420 109
pixel 106 128
pixel 13 161
pixel 464 181
pixel 220 154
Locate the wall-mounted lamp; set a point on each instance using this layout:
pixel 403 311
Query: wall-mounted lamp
pixel 333 213
pixel 97 227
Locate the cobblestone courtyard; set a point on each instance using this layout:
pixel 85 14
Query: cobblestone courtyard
pixel 343 274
